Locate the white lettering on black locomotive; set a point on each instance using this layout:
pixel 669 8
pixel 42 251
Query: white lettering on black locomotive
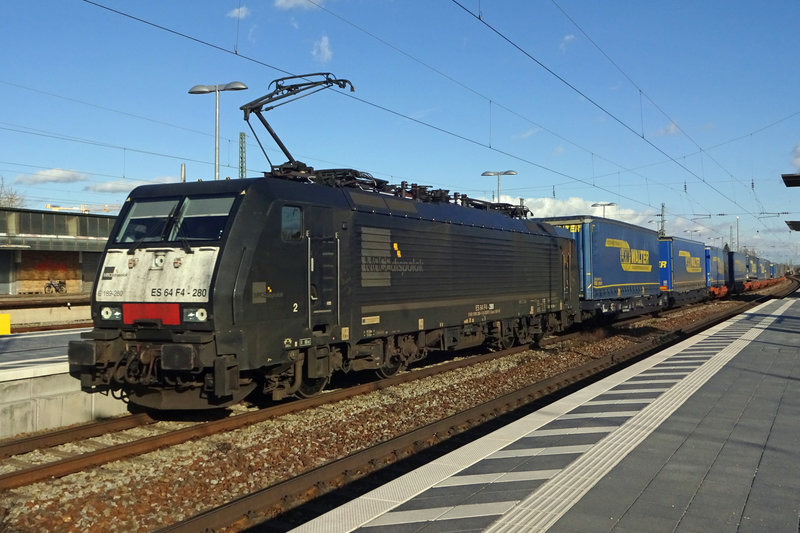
pixel 390 264
pixel 183 276
pixel 263 292
pixel 380 257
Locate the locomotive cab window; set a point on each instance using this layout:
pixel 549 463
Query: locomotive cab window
pixel 146 221
pixel 291 223
pixel 202 219
pixel 181 219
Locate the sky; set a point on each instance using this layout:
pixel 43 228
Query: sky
pixel 692 105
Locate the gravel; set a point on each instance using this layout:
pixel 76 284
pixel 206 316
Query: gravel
pixel 153 490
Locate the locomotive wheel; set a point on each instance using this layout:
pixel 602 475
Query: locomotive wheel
pixel 505 342
pixel 389 370
pixel 522 336
pixel 506 338
pixel 311 387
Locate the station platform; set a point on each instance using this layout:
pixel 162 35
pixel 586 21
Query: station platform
pixel 36 391
pixel 28 312
pixel 701 437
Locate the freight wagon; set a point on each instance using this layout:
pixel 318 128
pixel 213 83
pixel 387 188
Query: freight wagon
pixel 752 263
pixel 716 265
pixel 617 265
pixel 737 271
pixel 682 270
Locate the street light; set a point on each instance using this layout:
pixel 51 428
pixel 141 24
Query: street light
pixel 691 232
pixel 205 89
pixel 499 173
pixel 603 205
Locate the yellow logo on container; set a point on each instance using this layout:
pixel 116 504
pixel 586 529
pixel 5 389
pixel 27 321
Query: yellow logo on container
pixel 631 259
pixel 692 263
pixel 716 265
pixel 572 228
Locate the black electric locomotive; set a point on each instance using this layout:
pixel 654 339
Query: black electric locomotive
pixel 208 291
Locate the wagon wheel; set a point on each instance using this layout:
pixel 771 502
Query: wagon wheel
pixel 311 387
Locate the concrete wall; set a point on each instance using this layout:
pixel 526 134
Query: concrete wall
pixel 47 397
pixel 43 397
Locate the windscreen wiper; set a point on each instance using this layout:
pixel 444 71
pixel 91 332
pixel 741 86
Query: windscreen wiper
pixel 184 242
pixel 136 244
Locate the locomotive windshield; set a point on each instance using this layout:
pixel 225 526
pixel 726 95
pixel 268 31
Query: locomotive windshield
pixel 179 219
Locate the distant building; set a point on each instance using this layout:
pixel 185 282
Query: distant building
pixel 39 246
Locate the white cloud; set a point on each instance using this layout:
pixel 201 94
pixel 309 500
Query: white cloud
pixel 424 114
pixel 53 175
pixel 251 33
pixel 126 186
pixel 553 207
pixel 565 41
pixel 322 50
pixel 528 133
pixel 669 129
pixel 796 156
pixel 300 4
pixel 239 13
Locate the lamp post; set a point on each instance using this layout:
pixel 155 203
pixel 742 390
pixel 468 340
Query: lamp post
pixel 205 89
pixel 692 232
pixel 603 205
pixel 499 173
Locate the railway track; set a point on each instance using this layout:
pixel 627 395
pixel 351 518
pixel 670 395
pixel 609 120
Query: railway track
pixel 72 434
pixel 31 472
pixel 296 489
pixel 81 461
pixel 278 499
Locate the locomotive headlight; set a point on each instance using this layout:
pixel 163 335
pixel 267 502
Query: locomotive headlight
pixel 195 314
pixel 111 313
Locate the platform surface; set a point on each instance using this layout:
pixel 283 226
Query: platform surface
pixel 701 437
pixel 30 355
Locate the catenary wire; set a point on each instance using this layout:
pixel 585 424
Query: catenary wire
pixel 235 52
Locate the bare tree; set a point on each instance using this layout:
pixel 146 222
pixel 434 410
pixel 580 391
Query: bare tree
pixel 9 197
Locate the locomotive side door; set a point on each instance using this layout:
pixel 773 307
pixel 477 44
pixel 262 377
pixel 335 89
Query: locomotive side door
pixel 282 287
pixel 323 274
